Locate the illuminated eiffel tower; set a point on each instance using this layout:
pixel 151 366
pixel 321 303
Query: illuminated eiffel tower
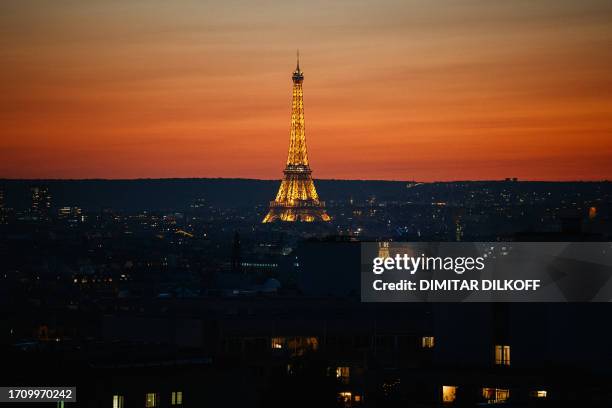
pixel 297 198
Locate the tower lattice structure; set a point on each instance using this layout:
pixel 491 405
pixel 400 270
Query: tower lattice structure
pixel 297 198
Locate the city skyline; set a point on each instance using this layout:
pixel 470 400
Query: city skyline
pixel 399 91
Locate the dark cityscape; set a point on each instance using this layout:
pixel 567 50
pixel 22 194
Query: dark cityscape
pixel 149 292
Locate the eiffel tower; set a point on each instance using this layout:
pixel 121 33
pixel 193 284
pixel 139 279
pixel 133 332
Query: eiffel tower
pixel 297 198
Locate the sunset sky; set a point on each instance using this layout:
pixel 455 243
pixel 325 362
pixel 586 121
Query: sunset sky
pixel 399 90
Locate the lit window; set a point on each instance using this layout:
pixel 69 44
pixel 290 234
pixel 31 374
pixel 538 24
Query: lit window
pixel 502 355
pixel 539 394
pixel 151 400
pixel 427 342
pixel 495 395
pixel 117 401
pixel 177 398
pixel 343 374
pixel 300 345
pixel 449 393
pixel 345 398
pixel 278 342
pixel 296 345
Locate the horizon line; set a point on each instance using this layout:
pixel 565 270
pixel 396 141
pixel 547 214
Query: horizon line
pixel 518 180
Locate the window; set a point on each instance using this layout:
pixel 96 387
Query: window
pixel 449 393
pixel 495 395
pixel 60 404
pixel 343 374
pixel 296 345
pixel 151 400
pixel 177 398
pixel 345 398
pixel 539 394
pixel 117 401
pixel 278 343
pixel 427 342
pixel 301 345
pixel 502 355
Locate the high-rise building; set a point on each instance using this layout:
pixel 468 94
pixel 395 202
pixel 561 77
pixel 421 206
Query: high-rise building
pixel 41 202
pixel 297 198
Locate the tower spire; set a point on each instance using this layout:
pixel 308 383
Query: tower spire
pixel 298 60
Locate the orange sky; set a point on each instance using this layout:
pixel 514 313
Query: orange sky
pixel 400 90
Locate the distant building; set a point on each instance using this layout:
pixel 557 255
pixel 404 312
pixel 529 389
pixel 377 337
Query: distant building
pixel 41 202
pixel 71 214
pixel 2 210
